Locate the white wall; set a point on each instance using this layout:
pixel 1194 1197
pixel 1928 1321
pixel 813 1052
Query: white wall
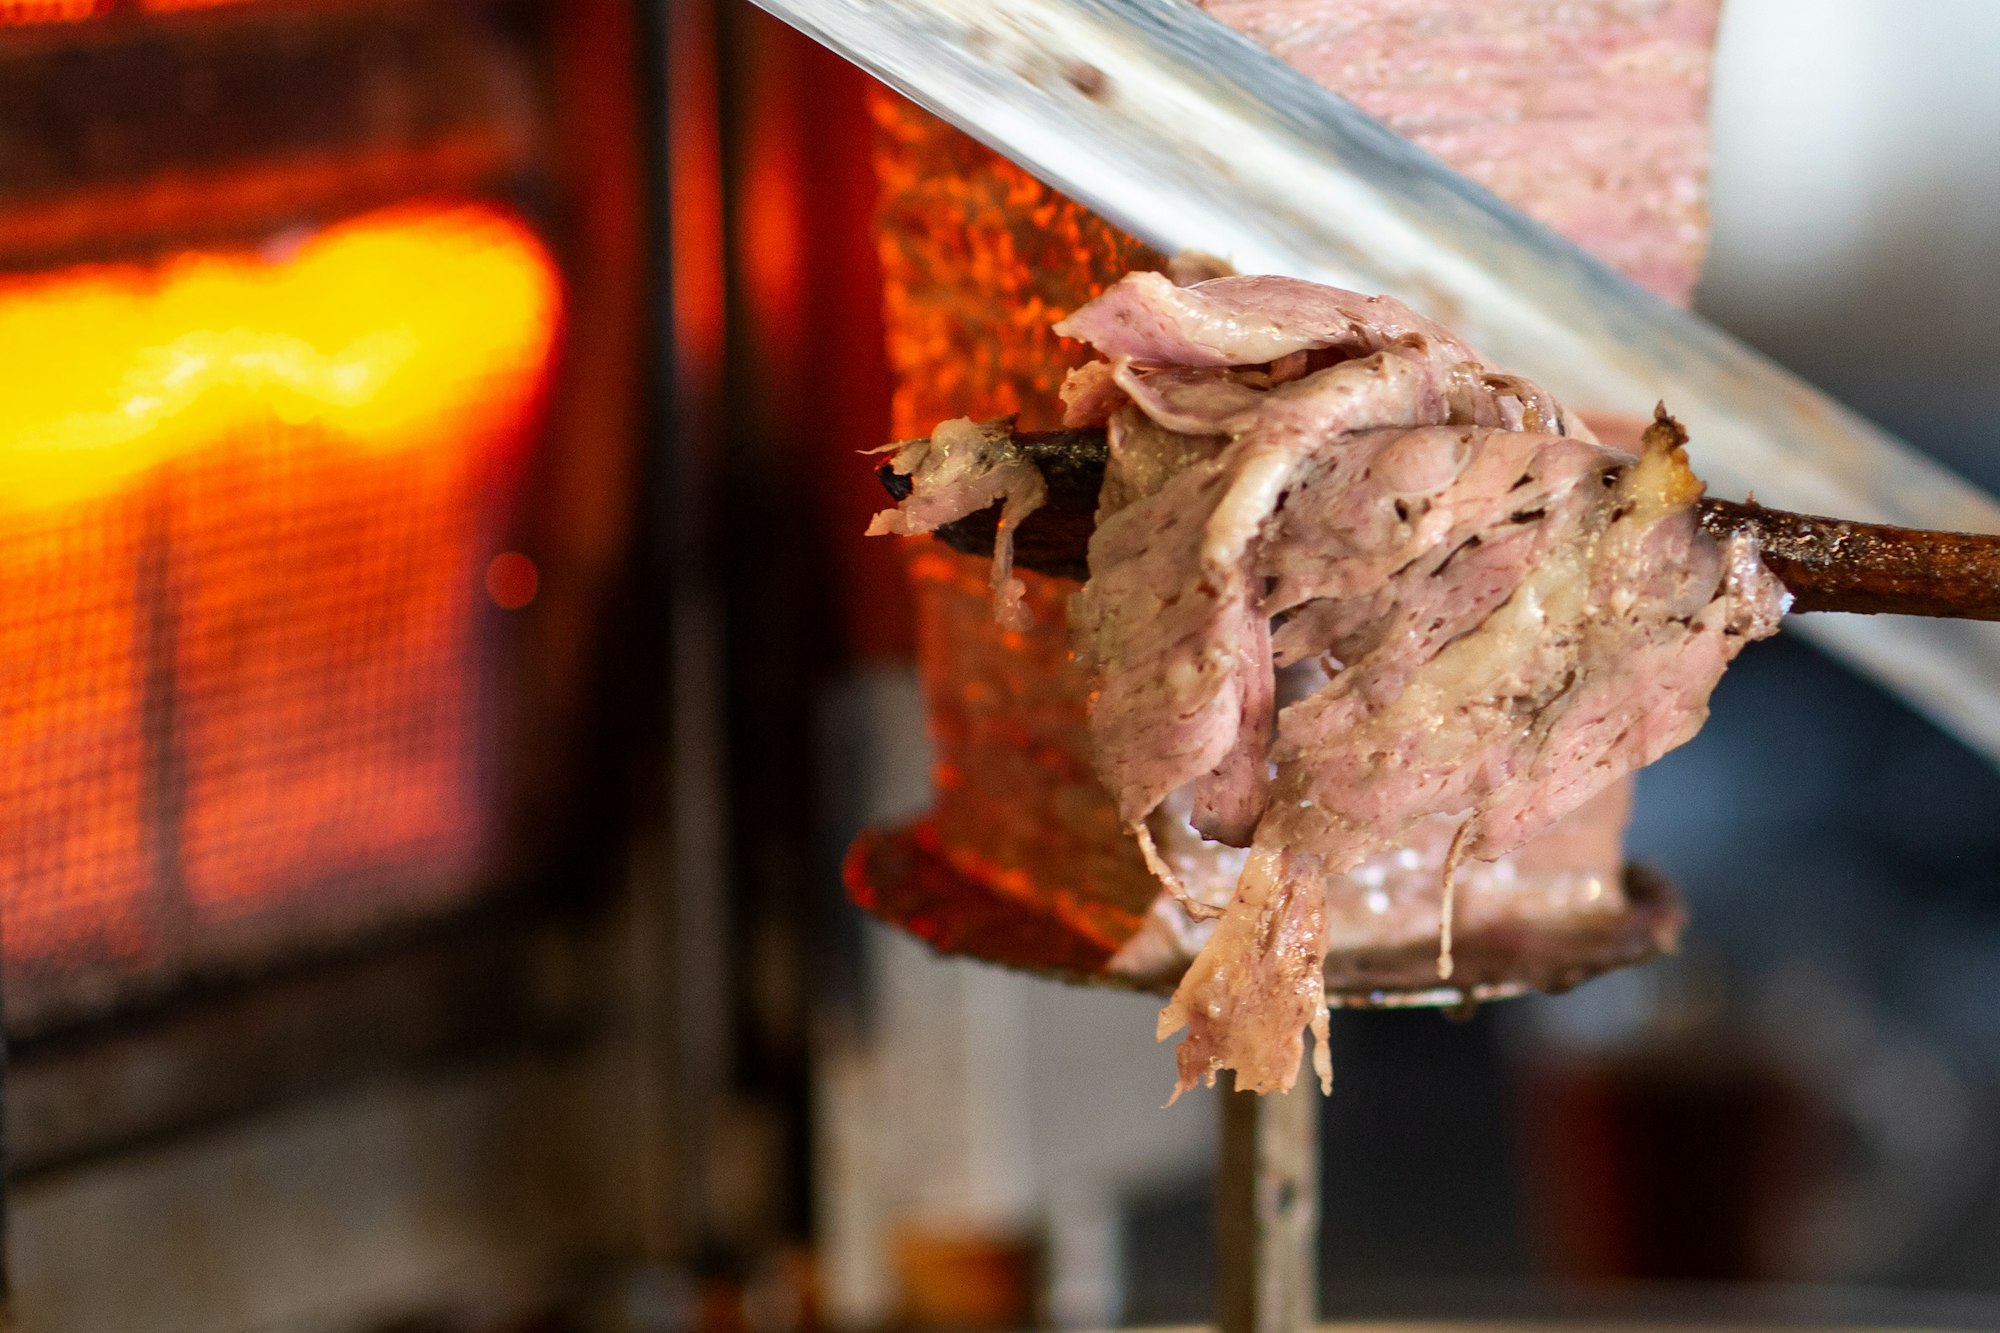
pixel 984 1100
pixel 1856 174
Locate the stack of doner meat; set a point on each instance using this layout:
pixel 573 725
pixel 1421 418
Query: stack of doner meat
pixel 1371 634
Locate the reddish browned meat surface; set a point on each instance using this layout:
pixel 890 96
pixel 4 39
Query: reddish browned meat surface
pixel 1590 114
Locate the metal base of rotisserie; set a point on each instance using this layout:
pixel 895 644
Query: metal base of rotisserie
pixel 903 876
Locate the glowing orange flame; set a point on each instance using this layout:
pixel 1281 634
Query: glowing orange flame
pixel 369 330
pixel 27 13
pixel 246 506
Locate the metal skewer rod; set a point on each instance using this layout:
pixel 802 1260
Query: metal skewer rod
pixel 1829 564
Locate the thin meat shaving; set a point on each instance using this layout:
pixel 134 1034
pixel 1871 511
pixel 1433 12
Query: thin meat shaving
pixel 1508 615
pixel 961 469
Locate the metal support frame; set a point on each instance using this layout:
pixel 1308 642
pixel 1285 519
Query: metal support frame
pixel 1267 1211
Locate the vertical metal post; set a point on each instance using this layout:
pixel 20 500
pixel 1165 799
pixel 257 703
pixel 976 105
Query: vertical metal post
pixel 673 998
pixel 1267 1210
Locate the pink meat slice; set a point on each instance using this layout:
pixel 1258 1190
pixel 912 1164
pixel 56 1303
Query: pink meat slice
pixel 1239 321
pixel 1508 616
pixel 1163 619
pixel 1171 619
pixel 962 467
pixel 1512 616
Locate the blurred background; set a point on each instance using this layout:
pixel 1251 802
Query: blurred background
pixel 440 673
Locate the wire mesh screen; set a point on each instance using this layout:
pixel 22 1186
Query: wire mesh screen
pixel 248 502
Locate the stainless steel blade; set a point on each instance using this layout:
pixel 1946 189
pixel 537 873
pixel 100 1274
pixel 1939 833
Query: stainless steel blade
pixel 1192 137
